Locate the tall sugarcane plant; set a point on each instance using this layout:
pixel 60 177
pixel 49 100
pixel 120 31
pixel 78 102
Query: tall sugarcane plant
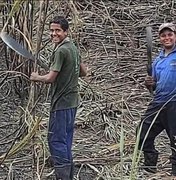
pixel 19 22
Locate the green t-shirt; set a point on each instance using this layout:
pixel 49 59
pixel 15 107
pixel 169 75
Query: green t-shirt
pixel 64 90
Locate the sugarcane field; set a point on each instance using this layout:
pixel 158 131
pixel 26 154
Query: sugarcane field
pixel 117 48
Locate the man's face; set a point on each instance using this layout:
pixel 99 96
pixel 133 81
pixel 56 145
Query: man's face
pixel 167 38
pixel 57 33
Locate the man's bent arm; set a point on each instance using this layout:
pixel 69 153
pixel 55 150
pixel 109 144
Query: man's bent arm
pixel 47 78
pixel 83 70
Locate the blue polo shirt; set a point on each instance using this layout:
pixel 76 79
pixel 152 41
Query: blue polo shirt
pixel 164 73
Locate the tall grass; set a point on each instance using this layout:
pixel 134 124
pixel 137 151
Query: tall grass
pixel 19 23
pixel 137 152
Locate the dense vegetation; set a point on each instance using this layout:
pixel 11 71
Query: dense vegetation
pixel 111 39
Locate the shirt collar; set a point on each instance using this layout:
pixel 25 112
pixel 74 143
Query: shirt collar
pixel 162 54
pixel 67 39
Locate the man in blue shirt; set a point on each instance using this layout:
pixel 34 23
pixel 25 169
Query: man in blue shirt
pixel 161 113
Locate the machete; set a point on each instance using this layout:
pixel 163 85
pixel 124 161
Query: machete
pixel 149 53
pixel 13 44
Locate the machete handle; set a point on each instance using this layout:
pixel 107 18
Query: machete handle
pixel 150 89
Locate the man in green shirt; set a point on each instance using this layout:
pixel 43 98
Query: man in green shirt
pixel 63 75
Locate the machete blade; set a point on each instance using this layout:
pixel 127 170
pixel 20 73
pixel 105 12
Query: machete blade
pixel 13 44
pixel 149 53
pixel 149 49
pixel 17 47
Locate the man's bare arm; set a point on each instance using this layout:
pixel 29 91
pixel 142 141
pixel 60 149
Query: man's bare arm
pixel 83 70
pixel 47 78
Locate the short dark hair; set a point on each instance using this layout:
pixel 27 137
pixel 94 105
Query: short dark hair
pixel 62 21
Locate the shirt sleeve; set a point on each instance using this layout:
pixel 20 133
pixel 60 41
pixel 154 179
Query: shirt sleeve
pixel 57 61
